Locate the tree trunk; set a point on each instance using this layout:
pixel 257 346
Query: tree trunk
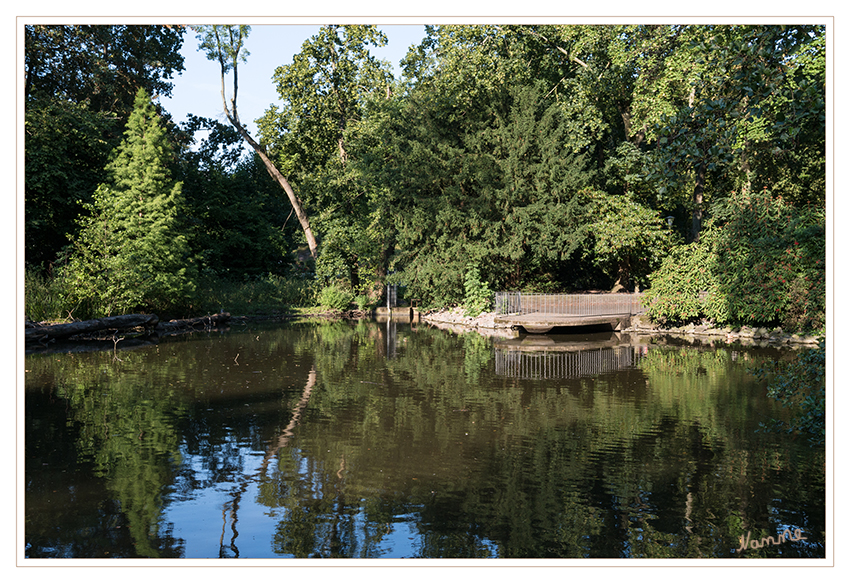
pixel 745 167
pixel 233 118
pixel 382 269
pixel 41 333
pixel 353 271
pixel 284 183
pixel 624 276
pixel 696 216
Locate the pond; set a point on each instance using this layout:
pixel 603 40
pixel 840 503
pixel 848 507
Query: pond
pixel 392 440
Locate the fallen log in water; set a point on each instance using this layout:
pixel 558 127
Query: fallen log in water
pixel 60 331
pixel 201 323
pixel 75 346
pixel 150 322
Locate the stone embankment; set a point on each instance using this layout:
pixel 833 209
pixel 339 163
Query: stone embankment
pixel 455 320
pixel 745 335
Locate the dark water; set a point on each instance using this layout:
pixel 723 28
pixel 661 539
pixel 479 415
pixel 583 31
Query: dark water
pixel 376 440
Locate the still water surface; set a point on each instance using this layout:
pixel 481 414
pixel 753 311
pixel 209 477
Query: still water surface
pixel 367 439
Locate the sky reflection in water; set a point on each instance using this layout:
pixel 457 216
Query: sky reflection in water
pixel 367 439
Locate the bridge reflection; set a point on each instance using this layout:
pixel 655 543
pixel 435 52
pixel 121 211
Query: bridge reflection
pixel 566 357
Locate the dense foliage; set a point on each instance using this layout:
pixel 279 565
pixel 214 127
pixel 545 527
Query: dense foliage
pixel 80 86
pixel 130 253
pixel 67 147
pixel 544 158
pixel 233 213
pixel 318 138
pixel 761 261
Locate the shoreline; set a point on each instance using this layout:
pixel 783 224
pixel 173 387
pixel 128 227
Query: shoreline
pixel 452 320
pixel 744 335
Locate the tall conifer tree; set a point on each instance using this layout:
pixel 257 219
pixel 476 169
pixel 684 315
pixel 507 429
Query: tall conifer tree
pixel 130 254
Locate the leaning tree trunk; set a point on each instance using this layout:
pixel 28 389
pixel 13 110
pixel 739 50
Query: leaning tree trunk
pixel 233 118
pixel 284 183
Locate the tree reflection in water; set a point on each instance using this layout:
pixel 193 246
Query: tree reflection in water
pixel 366 439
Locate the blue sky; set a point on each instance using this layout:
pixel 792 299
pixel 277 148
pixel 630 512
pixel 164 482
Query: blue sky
pixel 198 89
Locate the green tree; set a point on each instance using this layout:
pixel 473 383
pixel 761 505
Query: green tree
pixel 757 89
pixel 79 87
pixel 226 45
pixel 677 287
pixel 236 221
pixel 318 135
pixel 322 91
pixel 596 83
pixel 483 171
pixel 129 254
pixel 629 239
pixel 100 66
pixel 67 146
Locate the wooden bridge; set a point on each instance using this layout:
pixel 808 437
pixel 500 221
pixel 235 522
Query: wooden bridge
pixel 539 313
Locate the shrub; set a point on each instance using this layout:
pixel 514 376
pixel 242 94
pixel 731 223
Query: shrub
pixel 762 247
pixel 759 261
pixel 478 293
pixel 335 298
pixel 675 289
pixel 362 302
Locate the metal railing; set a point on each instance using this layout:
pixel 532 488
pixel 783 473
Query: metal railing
pixel 568 304
pixel 564 365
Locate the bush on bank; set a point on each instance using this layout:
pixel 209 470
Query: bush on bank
pixel 759 261
pixel 51 298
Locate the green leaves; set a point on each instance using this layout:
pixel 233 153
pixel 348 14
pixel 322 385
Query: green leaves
pixel 629 239
pixel 129 254
pixel 101 66
pixel 224 43
pixel 764 247
pixel 732 123
pixel 499 190
pixel 66 152
pixel 761 261
pixel 335 298
pixel 478 295
pixel 79 91
pixel 324 91
pixel 677 287
pixel 234 213
pixel 319 135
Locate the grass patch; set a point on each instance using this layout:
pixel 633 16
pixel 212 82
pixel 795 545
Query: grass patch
pixel 49 299
pixel 267 296
pixel 46 298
